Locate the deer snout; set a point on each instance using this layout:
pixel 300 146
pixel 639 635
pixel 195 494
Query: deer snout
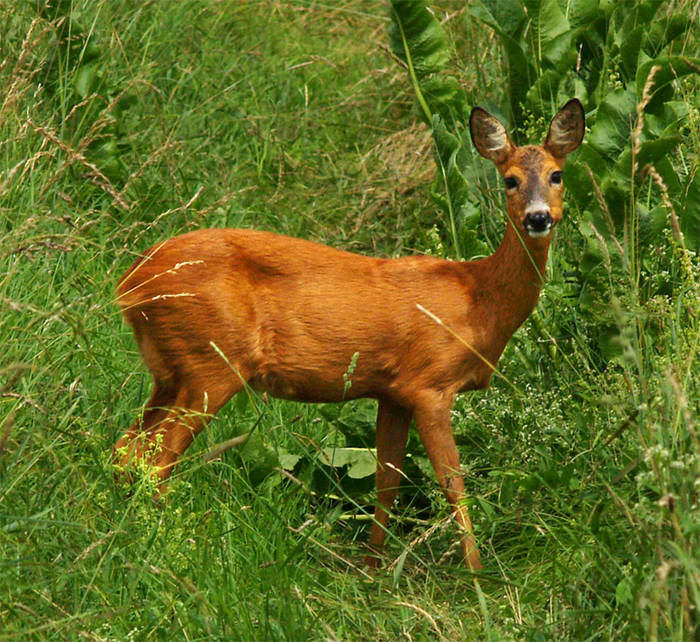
pixel 538 222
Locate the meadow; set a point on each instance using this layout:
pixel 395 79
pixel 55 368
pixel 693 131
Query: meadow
pixel 124 122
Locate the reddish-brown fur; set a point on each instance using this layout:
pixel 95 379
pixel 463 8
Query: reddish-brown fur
pixel 288 315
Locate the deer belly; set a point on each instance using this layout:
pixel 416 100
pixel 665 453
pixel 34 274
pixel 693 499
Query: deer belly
pixel 301 386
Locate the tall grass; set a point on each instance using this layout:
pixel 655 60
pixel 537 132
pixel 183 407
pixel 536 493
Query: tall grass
pixel 124 122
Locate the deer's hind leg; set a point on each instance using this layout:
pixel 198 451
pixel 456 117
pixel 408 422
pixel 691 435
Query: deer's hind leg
pixel 139 438
pixel 190 386
pixel 171 420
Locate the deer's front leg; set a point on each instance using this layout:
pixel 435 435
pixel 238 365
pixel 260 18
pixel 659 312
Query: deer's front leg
pixel 392 431
pixel 432 419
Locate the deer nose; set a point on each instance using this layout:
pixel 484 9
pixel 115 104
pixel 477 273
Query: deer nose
pixel 538 223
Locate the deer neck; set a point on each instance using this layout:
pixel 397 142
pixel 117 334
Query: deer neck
pixel 512 278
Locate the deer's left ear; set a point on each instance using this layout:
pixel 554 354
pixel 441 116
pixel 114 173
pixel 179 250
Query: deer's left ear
pixel 567 129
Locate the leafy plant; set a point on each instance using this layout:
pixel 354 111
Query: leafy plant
pixel 623 180
pixel 77 78
pixel 417 38
pixel 624 71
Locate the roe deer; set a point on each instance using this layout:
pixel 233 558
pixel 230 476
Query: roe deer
pixel 287 316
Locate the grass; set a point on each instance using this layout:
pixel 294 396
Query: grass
pixel 293 117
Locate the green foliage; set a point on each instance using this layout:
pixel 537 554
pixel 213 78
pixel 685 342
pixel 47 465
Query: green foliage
pixel 622 70
pixel 78 77
pixel 634 125
pixel 417 38
pixel 583 49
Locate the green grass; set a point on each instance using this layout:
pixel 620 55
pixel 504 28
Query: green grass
pixel 293 117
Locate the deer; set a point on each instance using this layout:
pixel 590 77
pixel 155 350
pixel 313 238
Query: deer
pixel 215 311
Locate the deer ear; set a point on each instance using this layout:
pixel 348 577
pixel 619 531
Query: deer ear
pixel 567 129
pixel 489 136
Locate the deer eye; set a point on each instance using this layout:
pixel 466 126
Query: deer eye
pixel 511 182
pixel 555 178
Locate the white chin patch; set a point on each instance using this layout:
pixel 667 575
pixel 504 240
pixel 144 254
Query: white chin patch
pixel 539 234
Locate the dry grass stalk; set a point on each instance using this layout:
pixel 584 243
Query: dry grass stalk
pixel 604 207
pixel 21 78
pixel 94 173
pixel 675 225
pixel 423 537
pixel 639 125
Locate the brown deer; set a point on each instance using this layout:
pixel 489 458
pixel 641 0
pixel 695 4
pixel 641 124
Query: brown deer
pixel 218 309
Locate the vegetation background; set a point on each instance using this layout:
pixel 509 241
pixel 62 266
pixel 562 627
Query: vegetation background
pixel 123 122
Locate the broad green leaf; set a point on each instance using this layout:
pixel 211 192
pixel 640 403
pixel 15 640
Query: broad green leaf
pixel 665 70
pixel 451 159
pixel 91 50
pixel 652 150
pixel 623 592
pixel 609 342
pixel 361 462
pixel 86 80
pixel 409 20
pixel 648 153
pixel 545 89
pixel 579 190
pixel 424 466
pixel 468 219
pixel 640 13
pixel 445 97
pixel 613 124
pixel 689 212
pixel 287 460
pixel 548 21
pixel 651 224
pixel 485 507
pixel 417 37
pixel 531 483
pixel 550 476
pixel 258 457
pixel 582 13
pixel 429 53
pixel 629 50
pixel 669 175
pixel 666 120
pixel 579 184
pixel 355 420
pixel 592 255
pixel 661 33
pixel 363 466
pixel 507 489
pixel 505 17
pixel 616 188
pixel 437 194
pixel 560 52
pixel 106 156
pixel 647 9
pixel 521 74
pixel 416 28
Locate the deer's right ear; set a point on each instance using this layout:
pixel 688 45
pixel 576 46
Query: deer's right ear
pixel 489 136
